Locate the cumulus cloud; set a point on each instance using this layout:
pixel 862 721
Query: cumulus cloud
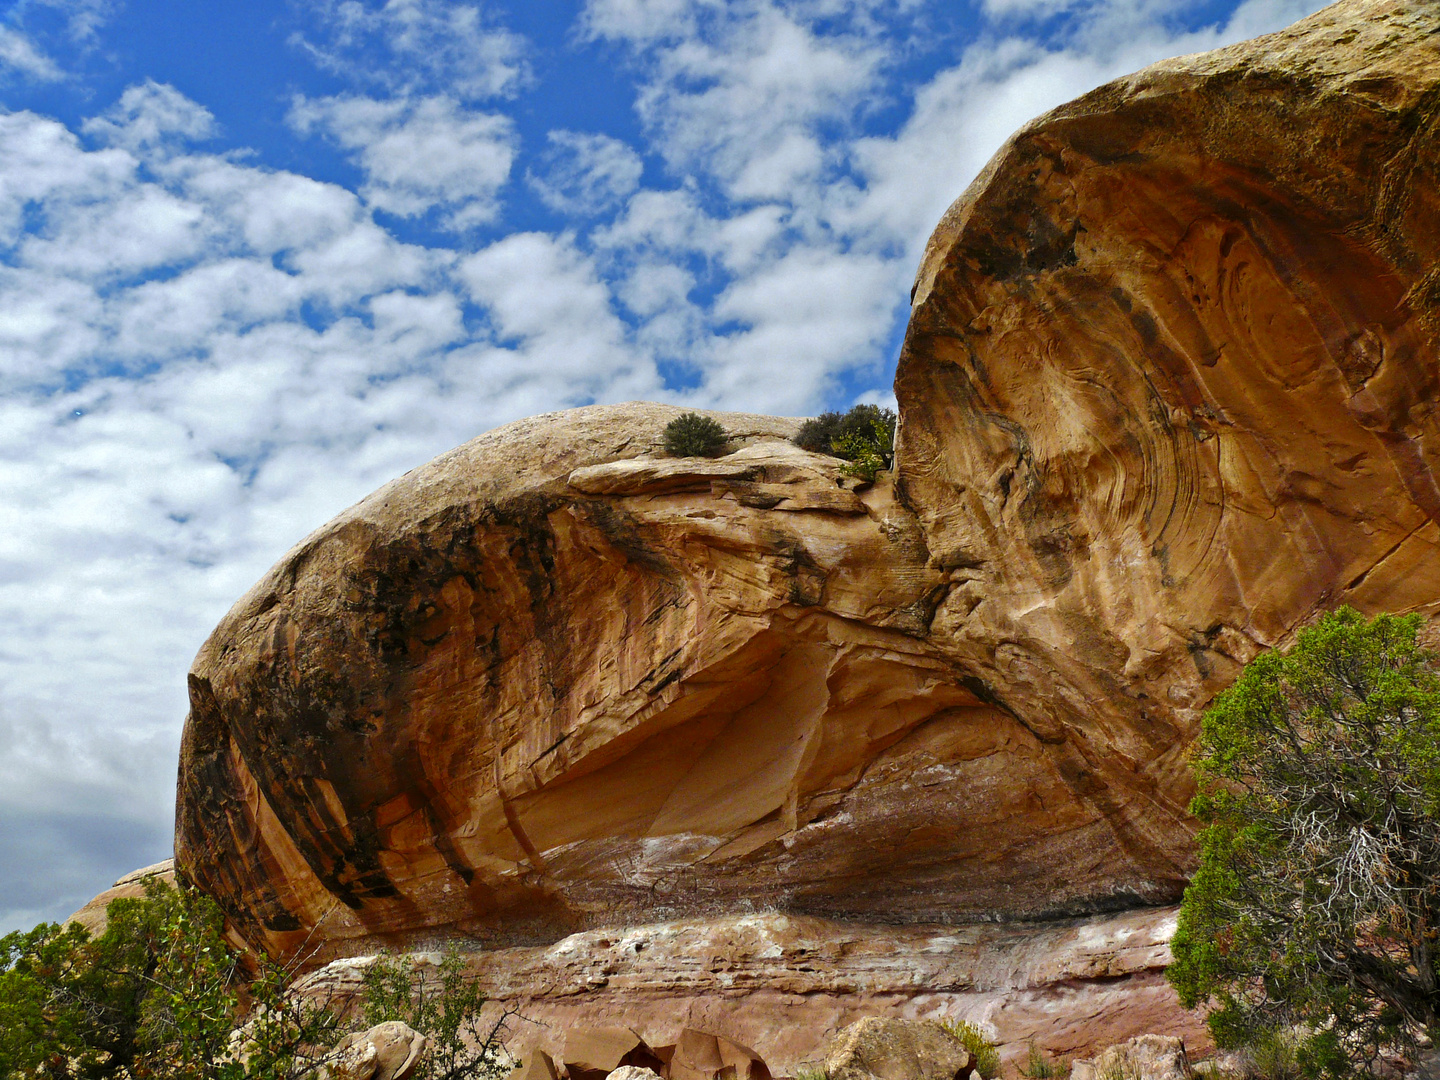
pixel 27 54
pixel 419 154
pixel 150 115
pixel 204 360
pixel 584 174
pixel 21 56
pixel 413 46
pixel 741 90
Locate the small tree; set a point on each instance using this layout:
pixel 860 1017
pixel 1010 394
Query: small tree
pixel 693 435
pixel 1316 906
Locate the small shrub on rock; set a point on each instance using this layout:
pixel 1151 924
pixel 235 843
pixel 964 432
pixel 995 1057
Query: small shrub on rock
pixel 693 435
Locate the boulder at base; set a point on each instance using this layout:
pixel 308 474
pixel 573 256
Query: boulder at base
pixel 1145 1057
pixel 882 1048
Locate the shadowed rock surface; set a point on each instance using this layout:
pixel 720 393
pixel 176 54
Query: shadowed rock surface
pixel 1167 391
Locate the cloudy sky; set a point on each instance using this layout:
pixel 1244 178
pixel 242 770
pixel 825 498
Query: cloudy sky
pixel 259 256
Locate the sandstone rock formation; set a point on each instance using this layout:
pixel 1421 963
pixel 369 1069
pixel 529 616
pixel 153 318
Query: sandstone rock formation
pixel 131 886
pixel 592 1053
pixel 787 985
pixel 551 680
pixel 1168 389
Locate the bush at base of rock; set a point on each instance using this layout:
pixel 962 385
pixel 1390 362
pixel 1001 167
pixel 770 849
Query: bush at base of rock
pixel 159 995
pixel 987 1057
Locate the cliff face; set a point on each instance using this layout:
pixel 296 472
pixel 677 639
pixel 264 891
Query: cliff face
pixel 1167 390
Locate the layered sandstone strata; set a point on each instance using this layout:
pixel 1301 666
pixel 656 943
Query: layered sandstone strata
pixel 1168 390
pixel 787 985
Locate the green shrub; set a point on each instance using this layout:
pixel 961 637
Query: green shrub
pixel 446 1008
pixel 987 1058
pixel 864 437
pixel 1314 905
pixel 693 435
pixel 817 433
pixel 1275 1055
pixel 159 996
pixel 1041 1066
pixel 810 1072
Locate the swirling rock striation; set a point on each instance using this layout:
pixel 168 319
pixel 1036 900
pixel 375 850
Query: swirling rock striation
pixel 1168 389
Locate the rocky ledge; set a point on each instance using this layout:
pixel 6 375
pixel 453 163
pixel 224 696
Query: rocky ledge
pixel 788 985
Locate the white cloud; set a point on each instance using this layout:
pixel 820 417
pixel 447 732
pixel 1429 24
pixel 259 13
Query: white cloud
pixel 584 174
pixel 413 46
pixel 83 18
pixel 547 301
pixel 20 55
pixel 28 54
pixel 151 115
pixel 419 154
pixel 742 92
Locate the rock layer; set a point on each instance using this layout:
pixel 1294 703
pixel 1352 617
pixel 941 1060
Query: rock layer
pixel 788 985
pixel 1167 390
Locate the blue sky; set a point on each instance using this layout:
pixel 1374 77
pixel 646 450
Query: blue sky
pixel 258 258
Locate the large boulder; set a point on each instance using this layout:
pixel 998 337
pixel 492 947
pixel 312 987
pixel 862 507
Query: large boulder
pixel 885 1048
pixel 391 1050
pixel 1145 1057
pixel 1168 390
